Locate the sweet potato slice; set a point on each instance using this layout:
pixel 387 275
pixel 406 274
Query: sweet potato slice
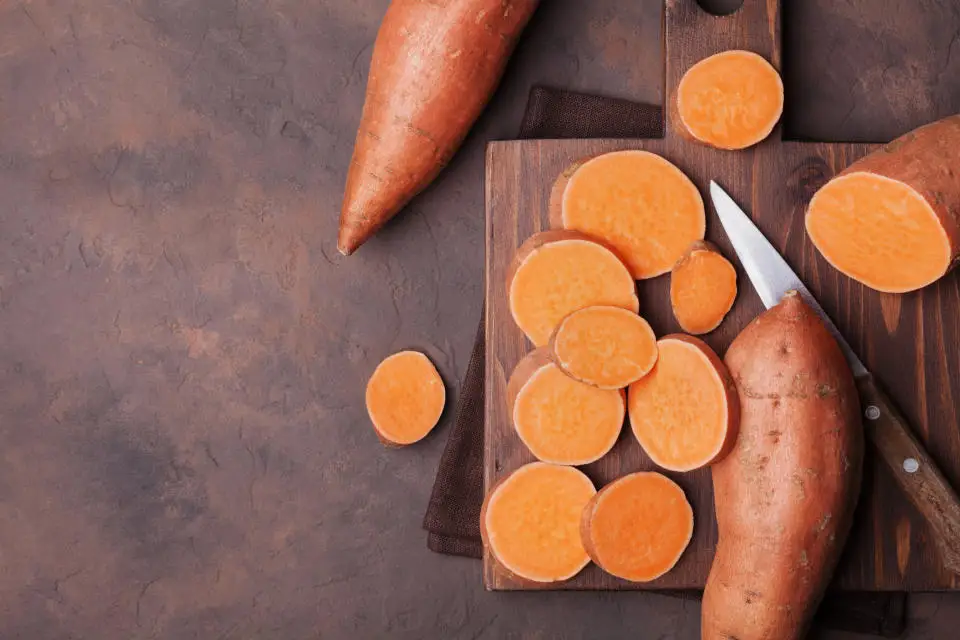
pixel 637 527
pixel 562 420
pixel 731 100
pixel 643 206
pixel 703 287
pixel 530 522
pixel 892 219
pixel 558 272
pixel 607 347
pixel 685 412
pixel 405 397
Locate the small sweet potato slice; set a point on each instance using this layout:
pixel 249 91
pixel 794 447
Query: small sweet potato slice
pixel 703 287
pixel 730 100
pixel 685 412
pixel 891 220
pixel 640 204
pixel 558 272
pixel 530 522
pixel 562 420
pixel 405 397
pixel 607 347
pixel 637 527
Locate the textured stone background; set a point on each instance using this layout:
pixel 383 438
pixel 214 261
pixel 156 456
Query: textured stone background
pixel 183 447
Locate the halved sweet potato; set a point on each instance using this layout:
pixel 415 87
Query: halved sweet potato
pixel 730 100
pixel 703 287
pixel 405 397
pixel 892 219
pixel 558 272
pixel 530 522
pixel 685 413
pixel 643 206
pixel 607 347
pixel 562 420
pixel 637 527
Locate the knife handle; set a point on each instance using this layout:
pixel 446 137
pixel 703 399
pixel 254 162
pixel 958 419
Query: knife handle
pixel 914 470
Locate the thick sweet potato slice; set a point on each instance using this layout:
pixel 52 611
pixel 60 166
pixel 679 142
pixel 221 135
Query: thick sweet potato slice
pixel 637 527
pixel 892 220
pixel 643 206
pixel 562 420
pixel 703 287
pixel 685 412
pixel 530 522
pixel 405 397
pixel 607 347
pixel 731 100
pixel 558 272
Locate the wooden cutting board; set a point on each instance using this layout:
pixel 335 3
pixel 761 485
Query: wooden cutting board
pixel 910 342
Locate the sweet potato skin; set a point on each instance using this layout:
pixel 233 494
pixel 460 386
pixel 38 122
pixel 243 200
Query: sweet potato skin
pixel 925 159
pixel 435 65
pixel 785 495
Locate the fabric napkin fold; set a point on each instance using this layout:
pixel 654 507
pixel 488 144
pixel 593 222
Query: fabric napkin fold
pixel 452 520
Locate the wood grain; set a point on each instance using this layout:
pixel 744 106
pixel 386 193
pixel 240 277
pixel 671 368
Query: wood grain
pixel 911 345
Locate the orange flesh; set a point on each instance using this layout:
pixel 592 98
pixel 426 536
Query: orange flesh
pixel 565 421
pixel 878 231
pixel 703 287
pixel 640 204
pixel 607 347
pixel 532 522
pixel 730 100
pixel 405 397
pixel 679 411
pixel 640 526
pixel 562 277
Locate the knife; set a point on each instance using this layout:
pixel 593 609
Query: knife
pixel 914 470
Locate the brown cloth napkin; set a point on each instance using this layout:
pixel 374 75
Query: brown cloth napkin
pixel 453 515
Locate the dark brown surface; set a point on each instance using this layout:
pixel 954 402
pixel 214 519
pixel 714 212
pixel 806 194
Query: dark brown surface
pixel 182 352
pixel 889 549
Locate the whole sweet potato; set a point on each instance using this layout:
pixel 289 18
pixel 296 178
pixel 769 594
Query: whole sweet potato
pixel 435 64
pixel 786 493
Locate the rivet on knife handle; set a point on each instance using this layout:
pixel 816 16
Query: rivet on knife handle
pixel 913 469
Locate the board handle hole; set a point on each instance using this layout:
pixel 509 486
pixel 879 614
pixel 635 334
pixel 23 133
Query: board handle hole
pixel 720 7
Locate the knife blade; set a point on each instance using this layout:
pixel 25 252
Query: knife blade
pixel 914 470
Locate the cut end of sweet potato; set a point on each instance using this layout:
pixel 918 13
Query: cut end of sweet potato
pixel 879 231
pixel 638 527
pixel 703 288
pixel 559 419
pixel 643 206
pixel 607 347
pixel 405 397
pixel 558 272
pixel 731 100
pixel 686 411
pixel 530 522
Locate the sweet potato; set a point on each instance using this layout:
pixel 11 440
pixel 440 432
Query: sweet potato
pixel 785 495
pixel 703 287
pixel 405 397
pixel 530 522
pixel 562 420
pixel 684 413
pixel 558 272
pixel 731 100
pixel 607 347
pixel 435 65
pixel 637 527
pixel 892 219
pixel 640 204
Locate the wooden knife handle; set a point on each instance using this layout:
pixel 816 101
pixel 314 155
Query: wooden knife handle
pixel 913 469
